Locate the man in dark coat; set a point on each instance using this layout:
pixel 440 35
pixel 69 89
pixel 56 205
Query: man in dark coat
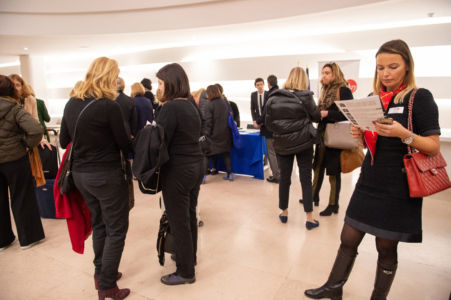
pixel 128 108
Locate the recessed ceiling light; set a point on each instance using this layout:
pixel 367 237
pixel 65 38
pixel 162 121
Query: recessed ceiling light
pixel 25 48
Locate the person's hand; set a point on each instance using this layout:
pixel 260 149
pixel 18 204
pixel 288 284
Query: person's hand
pixel 393 130
pixel 256 126
pixel 357 133
pixel 324 114
pixel 44 144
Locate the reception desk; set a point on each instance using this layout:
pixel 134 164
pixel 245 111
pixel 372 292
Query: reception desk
pixel 248 159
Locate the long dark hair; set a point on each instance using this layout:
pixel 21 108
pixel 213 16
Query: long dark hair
pixel 176 83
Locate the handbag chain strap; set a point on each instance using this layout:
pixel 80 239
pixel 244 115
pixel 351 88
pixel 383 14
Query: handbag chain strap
pixel 409 119
pixel 75 130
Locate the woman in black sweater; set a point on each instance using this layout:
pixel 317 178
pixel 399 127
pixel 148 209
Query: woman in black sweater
pixel 182 175
pixel 99 138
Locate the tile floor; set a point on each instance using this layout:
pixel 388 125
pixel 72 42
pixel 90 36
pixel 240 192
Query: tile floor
pixel 244 251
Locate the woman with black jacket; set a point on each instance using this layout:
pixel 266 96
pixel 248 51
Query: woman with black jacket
pixel 97 143
pixel 334 88
pixel 289 115
pixel 182 175
pixel 217 130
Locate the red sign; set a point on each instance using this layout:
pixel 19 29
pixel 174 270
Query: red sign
pixel 352 85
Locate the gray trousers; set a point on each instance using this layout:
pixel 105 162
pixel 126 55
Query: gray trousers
pixel 272 157
pixel 106 195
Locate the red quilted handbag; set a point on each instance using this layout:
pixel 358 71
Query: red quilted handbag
pixel 426 175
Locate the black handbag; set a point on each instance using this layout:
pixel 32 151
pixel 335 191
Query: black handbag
pixel 66 181
pixel 165 240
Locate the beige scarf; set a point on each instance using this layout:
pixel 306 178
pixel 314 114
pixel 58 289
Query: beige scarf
pixel 328 96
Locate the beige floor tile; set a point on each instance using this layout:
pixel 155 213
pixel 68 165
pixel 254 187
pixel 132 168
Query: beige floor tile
pixel 244 251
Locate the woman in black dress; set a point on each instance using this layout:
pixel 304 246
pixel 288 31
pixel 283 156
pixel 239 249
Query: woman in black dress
pixel 380 204
pixel 182 175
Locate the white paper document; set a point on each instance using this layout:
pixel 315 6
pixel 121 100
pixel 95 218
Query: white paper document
pixel 362 112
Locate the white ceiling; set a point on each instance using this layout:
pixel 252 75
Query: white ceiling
pixel 49 27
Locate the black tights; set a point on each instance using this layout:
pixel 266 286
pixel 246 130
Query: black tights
pixel 387 249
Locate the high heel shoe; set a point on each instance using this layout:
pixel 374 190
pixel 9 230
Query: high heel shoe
pixel 283 219
pixel 330 209
pixel 114 293
pixel 311 225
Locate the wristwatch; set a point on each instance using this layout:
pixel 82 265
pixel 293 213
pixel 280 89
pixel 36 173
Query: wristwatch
pixel 408 140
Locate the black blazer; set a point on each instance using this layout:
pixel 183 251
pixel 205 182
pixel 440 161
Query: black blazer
pixel 254 104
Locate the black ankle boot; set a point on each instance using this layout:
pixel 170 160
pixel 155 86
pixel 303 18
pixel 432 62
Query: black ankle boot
pixel 383 281
pixel 333 288
pixel 330 209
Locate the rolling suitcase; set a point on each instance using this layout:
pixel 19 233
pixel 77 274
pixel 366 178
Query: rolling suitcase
pixel 46 201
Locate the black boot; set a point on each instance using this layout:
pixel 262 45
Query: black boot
pixel 384 279
pixel 333 288
pixel 330 209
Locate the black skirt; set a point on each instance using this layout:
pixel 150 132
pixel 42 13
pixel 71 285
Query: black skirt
pixel 381 206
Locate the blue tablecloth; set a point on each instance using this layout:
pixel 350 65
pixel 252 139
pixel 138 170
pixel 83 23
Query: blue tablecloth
pixel 248 159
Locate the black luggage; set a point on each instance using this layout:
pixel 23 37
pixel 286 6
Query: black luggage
pixel 49 159
pixel 46 201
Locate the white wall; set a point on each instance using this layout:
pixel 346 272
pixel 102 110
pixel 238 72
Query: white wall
pixel 53 77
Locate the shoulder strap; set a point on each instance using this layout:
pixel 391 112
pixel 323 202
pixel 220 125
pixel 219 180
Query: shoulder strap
pixel 75 128
pixel 303 107
pixel 409 119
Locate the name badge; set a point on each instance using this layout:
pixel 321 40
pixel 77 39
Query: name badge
pixel 396 110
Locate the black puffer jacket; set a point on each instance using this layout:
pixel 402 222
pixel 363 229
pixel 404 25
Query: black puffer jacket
pixel 289 115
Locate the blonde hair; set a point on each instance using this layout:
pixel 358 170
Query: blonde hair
pixel 26 88
pixel 137 90
pixel 401 48
pixel 196 94
pixel 337 75
pixel 297 80
pixel 100 81
pixel 76 87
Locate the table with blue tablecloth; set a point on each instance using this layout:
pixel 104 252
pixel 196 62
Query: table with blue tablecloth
pixel 248 159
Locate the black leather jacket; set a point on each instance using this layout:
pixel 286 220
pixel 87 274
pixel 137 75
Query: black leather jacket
pixel 289 115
